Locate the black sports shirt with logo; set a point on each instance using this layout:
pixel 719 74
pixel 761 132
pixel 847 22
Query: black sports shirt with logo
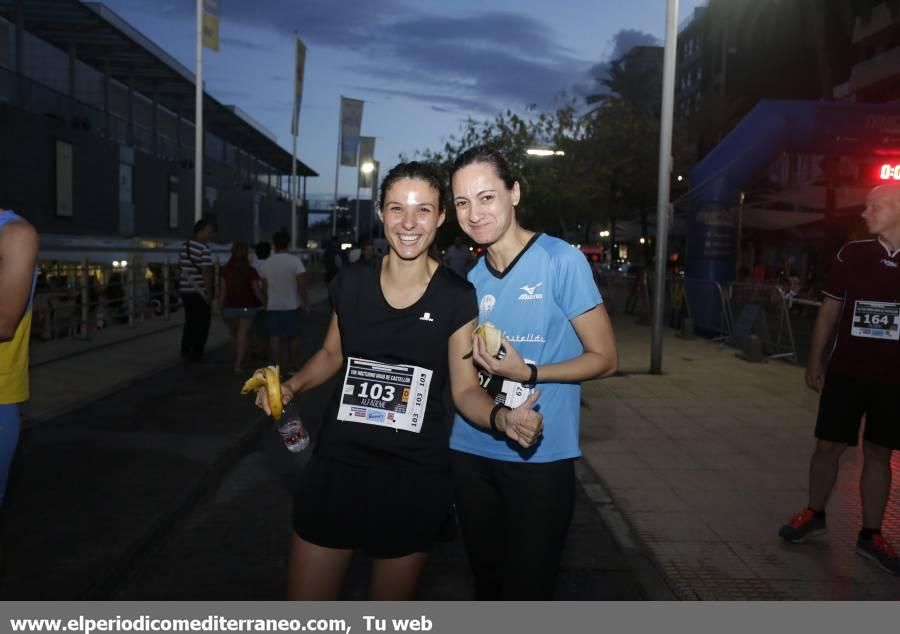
pixel 865 276
pixel 375 418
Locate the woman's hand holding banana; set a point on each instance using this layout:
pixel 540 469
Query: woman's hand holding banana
pixel 271 394
pixel 487 340
pixel 522 424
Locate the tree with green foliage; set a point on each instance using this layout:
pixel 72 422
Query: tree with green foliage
pixel 559 196
pixel 608 171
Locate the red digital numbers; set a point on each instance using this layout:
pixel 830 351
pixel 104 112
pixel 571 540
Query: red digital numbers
pixel 890 172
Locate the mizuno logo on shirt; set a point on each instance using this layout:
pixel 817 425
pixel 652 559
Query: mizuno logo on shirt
pixel 426 317
pixel 531 292
pixel 889 263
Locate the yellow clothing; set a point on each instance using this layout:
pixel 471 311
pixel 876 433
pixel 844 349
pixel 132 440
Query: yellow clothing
pixel 14 363
pixel 14 353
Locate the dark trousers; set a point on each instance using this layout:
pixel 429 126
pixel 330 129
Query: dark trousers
pixel 197 316
pixel 514 519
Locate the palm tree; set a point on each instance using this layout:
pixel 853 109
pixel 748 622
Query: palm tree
pixel 639 86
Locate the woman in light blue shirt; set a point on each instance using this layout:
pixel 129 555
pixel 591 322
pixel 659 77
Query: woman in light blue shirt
pixel 515 504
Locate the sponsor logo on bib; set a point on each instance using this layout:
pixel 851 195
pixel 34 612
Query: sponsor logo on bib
pixel 487 304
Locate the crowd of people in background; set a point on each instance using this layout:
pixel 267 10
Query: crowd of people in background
pixel 114 299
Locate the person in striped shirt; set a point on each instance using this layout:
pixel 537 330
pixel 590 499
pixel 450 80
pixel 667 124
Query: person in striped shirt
pixel 197 290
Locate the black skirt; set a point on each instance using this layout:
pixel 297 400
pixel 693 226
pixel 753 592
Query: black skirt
pixel 385 512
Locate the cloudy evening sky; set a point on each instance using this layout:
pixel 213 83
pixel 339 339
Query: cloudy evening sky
pixel 421 68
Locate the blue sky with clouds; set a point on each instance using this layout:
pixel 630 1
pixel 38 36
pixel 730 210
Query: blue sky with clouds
pixel 421 68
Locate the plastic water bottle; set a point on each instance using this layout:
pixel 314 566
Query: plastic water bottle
pixel 292 431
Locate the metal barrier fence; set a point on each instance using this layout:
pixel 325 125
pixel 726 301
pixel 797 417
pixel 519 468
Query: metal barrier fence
pixel 706 304
pixel 631 294
pixel 627 294
pixel 735 311
pixel 763 310
pixel 76 297
pixel 729 313
pixel 74 300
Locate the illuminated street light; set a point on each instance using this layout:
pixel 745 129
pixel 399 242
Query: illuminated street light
pixel 115 264
pixel 604 234
pixel 367 168
pixel 643 241
pixel 680 178
pixel 535 151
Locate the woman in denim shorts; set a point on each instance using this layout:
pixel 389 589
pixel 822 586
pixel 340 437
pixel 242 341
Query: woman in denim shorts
pixel 240 297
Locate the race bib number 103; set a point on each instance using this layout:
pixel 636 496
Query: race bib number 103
pixel 393 396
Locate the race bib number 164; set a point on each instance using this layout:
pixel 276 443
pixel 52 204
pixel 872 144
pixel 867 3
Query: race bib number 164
pixel 876 320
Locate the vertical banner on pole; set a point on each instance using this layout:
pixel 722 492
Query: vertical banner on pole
pixel 374 222
pixel 207 36
pixel 298 85
pixel 211 24
pixel 351 126
pixel 300 62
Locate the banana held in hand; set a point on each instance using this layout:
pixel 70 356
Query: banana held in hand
pixel 269 378
pixel 492 337
pixel 256 381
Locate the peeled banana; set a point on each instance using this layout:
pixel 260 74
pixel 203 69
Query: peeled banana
pixel 492 337
pixel 269 378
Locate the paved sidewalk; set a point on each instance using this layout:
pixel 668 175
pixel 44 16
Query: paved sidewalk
pixel 707 462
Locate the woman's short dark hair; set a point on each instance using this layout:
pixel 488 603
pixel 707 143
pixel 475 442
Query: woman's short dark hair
pixel 485 154
pixel 415 169
pixel 281 239
pixel 202 224
pixel 263 250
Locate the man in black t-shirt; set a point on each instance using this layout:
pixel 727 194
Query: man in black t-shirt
pixel 862 305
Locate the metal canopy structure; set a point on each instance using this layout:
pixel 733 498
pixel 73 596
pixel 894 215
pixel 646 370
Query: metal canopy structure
pixel 100 38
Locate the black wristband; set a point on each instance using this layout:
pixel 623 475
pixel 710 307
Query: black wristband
pixel 532 380
pixel 493 418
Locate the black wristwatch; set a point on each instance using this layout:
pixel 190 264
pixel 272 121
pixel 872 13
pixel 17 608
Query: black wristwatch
pixel 493 417
pixel 532 380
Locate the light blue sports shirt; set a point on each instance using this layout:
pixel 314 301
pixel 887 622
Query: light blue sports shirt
pixel 534 302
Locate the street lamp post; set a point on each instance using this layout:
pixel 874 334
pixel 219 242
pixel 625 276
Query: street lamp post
pixel 365 171
pixel 665 167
